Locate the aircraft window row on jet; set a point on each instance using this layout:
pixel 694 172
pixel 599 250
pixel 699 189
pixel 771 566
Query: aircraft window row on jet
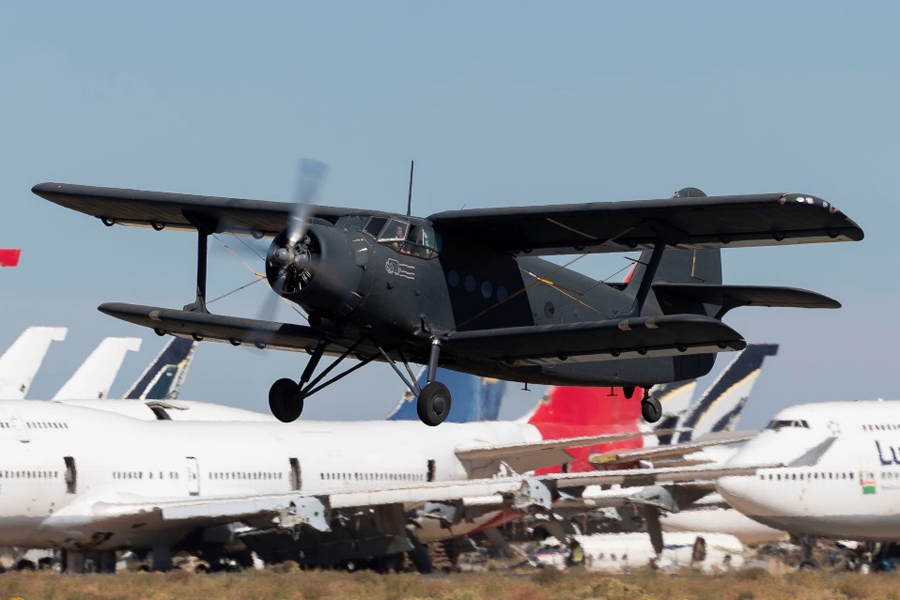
pixel 246 475
pixel 140 475
pixel 373 476
pixel 29 474
pixel 781 423
pixel 38 425
pixel 807 476
pixel 881 427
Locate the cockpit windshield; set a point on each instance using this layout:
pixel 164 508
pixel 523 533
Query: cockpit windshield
pixel 779 424
pixel 399 234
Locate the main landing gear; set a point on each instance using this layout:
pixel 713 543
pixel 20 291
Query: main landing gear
pixel 651 409
pixel 286 397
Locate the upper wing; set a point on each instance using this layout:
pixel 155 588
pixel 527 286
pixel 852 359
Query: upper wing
pixel 694 222
pixel 528 456
pixel 180 211
pixel 591 341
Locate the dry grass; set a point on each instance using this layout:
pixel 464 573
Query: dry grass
pixel 548 585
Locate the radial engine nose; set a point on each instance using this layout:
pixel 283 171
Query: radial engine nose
pixel 319 272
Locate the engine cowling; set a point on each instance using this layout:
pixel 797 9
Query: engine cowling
pixel 319 272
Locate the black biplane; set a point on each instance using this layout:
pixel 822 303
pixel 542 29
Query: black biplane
pixel 469 291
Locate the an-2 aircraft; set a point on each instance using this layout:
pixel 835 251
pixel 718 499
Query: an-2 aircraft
pixel 467 289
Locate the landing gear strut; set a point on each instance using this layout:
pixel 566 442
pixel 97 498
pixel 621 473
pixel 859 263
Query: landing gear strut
pixel 433 403
pixel 286 397
pixel 651 409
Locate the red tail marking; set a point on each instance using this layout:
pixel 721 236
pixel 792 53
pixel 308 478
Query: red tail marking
pixel 579 411
pixel 9 257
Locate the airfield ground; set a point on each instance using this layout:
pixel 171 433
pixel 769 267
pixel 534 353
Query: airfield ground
pixel 572 585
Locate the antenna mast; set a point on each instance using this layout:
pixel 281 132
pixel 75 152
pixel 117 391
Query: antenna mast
pixel 412 165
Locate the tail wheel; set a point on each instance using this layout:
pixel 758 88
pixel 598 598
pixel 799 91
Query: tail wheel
pixel 433 404
pixel 651 409
pixel 285 400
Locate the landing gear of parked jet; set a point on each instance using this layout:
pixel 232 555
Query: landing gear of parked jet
pixel 651 409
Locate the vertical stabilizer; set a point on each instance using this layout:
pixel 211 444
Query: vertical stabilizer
pixel 21 361
pixel 680 266
pixel 162 378
pixel 95 376
pixel 720 406
pixel 474 398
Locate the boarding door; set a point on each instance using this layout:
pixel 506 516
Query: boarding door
pixel 193 476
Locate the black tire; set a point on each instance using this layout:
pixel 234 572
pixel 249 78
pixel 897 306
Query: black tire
pixel 433 404
pixel 651 409
pixel 285 400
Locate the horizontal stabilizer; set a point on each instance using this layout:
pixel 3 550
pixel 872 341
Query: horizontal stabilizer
pixel 734 296
pixel 591 341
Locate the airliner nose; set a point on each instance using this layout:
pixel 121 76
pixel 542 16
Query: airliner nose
pixel 742 494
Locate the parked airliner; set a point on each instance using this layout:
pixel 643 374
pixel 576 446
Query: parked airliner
pixel 844 482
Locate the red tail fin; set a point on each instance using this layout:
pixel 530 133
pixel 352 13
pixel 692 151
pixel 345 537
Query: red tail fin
pixel 578 411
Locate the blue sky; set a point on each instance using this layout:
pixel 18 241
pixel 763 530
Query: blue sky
pixel 500 104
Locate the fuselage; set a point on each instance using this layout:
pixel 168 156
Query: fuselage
pixel 400 294
pixel 58 461
pixel 843 474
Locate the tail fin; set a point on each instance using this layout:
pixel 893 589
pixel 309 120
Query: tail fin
pixel 569 411
pixel 162 378
pixel 96 374
pixel 474 398
pixel 681 266
pixel 720 406
pixel 675 399
pixel 21 361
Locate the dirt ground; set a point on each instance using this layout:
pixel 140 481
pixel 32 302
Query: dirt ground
pixel 572 585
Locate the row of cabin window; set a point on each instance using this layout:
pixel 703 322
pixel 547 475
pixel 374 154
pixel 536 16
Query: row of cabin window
pixel 46 425
pixel 374 476
pixel 881 427
pixel 29 474
pixel 245 475
pixel 38 425
pixel 805 476
pixel 140 475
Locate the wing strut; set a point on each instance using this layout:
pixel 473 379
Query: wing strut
pixel 647 279
pixel 204 229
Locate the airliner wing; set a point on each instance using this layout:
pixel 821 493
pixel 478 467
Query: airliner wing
pixel 528 456
pixel 666 451
pixel 309 509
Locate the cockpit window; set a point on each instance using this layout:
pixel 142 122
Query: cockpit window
pixel 394 232
pixel 352 222
pixel 375 225
pixel 778 424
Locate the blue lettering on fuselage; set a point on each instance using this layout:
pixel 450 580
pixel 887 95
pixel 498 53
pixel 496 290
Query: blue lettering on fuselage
pixel 885 461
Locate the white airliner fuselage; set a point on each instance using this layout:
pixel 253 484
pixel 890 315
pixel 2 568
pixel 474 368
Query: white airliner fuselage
pixel 59 463
pixel 844 478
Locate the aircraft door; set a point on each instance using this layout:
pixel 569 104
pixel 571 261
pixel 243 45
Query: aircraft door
pixel 296 479
pixel 193 476
pixel 20 429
